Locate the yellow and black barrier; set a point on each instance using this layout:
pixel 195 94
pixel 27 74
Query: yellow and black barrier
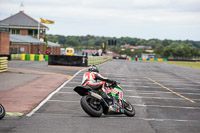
pixel 3 64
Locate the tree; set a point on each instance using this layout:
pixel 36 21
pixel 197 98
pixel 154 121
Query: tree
pixel 195 52
pixel 165 42
pixel 72 42
pixel 141 42
pixel 61 40
pixel 138 52
pixel 151 43
pixel 178 52
pixel 168 51
pixel 159 50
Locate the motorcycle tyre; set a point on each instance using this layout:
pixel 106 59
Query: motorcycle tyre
pixel 128 112
pixel 2 112
pixel 89 110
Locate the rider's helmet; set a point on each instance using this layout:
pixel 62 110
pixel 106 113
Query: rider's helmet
pixel 93 68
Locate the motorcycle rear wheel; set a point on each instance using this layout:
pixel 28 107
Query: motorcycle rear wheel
pixel 2 111
pixel 92 109
pixel 129 109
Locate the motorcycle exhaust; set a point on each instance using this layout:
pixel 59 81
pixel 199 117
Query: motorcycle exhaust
pixel 98 97
pixel 95 95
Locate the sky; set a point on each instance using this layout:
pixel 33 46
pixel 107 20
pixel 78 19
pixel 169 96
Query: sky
pixel 146 19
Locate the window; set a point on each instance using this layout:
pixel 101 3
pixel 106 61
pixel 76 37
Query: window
pixel 22 49
pixel 32 32
pixel 14 31
pixel 35 32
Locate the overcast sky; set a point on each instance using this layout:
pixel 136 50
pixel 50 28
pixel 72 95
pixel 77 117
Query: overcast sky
pixel 162 19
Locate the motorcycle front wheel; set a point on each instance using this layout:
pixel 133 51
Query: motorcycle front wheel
pixel 2 111
pixel 129 109
pixel 91 106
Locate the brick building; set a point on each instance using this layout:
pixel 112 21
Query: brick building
pixel 4 40
pixel 19 34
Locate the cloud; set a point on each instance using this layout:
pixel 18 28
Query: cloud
pixel 123 16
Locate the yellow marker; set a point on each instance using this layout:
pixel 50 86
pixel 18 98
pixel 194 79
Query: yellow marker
pixel 14 114
pixel 103 45
pixel 171 90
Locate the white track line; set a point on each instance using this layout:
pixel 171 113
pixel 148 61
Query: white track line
pixel 158 98
pixel 155 119
pixel 176 120
pixel 66 92
pixel 162 106
pixel 67 87
pixel 62 101
pixel 151 93
pixel 75 82
pixel 54 92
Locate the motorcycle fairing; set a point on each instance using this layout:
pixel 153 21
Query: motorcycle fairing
pixel 116 92
pixel 82 90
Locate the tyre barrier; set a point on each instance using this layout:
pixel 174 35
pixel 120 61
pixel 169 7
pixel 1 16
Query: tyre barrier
pixel 151 59
pixel 36 57
pixel 3 64
pixel 46 57
pixel 96 60
pixel 15 56
pixel 29 57
pixel 41 57
pixel 32 57
pixel 23 56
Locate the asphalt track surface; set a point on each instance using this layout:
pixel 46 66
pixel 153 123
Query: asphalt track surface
pixel 166 98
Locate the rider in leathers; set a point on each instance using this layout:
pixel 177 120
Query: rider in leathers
pixel 91 77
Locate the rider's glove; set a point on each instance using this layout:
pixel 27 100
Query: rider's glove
pixel 114 82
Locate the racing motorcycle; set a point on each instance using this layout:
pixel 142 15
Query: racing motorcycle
pixel 2 111
pixel 93 103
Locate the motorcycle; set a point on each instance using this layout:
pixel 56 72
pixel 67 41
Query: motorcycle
pixel 2 111
pixel 93 103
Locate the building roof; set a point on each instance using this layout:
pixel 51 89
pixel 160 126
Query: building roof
pixel 29 40
pixel 22 20
pixel 24 39
pixel 52 44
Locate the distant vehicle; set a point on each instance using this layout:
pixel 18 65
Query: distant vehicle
pixel 69 51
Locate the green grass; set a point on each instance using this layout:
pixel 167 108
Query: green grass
pixel 187 64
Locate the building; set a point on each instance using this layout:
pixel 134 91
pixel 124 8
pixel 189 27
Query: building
pixel 128 46
pixel 22 24
pixel 4 40
pixel 146 56
pixel 19 34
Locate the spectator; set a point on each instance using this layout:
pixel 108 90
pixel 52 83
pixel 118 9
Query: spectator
pixel 39 51
pixel 136 58
pixel 47 52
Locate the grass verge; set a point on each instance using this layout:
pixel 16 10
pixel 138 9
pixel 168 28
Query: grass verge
pixel 187 64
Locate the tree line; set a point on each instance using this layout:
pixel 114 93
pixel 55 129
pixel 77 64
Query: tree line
pixel 162 48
